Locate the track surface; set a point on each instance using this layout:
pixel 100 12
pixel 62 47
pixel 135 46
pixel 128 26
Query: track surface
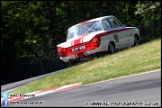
pixel 135 90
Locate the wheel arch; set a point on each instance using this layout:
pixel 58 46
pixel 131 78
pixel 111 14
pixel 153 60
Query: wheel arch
pixel 137 35
pixel 112 43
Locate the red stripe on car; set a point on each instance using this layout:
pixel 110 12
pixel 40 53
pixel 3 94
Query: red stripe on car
pixel 113 31
pixel 79 40
pixel 84 22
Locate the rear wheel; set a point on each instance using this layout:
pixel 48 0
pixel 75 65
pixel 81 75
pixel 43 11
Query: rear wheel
pixel 136 41
pixel 111 48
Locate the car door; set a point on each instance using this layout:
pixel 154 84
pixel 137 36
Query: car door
pixel 108 28
pixel 120 34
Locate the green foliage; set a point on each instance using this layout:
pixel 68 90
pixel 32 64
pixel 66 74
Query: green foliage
pixel 146 15
pixel 23 32
pixel 150 13
pixel 23 26
pixel 127 14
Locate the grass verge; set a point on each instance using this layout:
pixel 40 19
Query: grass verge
pixel 134 60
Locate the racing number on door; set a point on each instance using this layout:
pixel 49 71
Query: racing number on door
pixel 116 38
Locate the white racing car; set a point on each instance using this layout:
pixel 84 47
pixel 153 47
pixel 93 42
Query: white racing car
pixel 103 34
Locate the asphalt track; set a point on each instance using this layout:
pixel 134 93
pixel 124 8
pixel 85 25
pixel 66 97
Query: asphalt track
pixel 136 90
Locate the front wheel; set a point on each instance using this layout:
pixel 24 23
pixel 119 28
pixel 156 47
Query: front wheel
pixel 111 48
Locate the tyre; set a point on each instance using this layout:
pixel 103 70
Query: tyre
pixel 136 41
pixel 111 48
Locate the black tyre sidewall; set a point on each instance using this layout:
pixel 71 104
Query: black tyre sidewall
pixel 111 49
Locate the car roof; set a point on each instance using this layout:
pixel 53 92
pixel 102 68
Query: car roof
pixel 94 19
pixel 99 18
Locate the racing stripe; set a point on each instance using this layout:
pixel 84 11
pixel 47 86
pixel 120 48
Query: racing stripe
pixel 77 41
pixel 113 31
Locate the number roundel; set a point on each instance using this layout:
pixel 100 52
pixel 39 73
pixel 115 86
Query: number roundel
pixel 116 38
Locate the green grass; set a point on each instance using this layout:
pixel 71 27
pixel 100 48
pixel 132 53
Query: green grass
pixel 134 60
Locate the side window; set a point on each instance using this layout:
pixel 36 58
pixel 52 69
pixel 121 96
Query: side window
pixel 97 26
pixel 106 24
pixel 114 22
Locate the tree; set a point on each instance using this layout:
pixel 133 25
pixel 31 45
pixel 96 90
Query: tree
pixel 150 12
pixel 22 32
